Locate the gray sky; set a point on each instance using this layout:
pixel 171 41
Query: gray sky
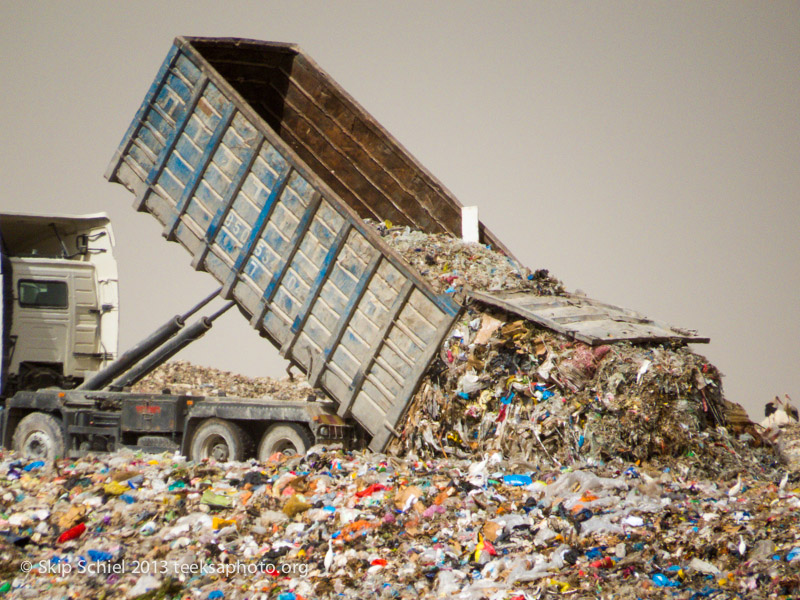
pixel 646 153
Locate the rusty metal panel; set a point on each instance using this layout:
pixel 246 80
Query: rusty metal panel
pixel 587 320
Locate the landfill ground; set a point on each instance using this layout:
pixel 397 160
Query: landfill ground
pixel 528 465
pixel 355 524
pixel 335 524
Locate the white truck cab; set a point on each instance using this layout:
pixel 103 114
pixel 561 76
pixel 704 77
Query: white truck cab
pixel 58 300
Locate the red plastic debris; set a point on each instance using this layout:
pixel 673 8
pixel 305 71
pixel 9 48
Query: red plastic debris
pixel 71 534
pixel 375 487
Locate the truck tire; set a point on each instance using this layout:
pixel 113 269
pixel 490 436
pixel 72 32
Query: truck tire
pixel 39 436
pixel 288 438
pixel 219 439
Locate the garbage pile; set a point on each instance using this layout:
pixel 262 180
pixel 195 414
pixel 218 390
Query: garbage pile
pixel 509 385
pixel 335 524
pixel 448 263
pixel 184 378
pixel 513 387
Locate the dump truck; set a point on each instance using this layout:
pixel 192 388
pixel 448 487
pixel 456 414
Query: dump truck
pixel 268 173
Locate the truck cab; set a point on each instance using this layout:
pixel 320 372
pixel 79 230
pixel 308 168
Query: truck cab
pixel 58 300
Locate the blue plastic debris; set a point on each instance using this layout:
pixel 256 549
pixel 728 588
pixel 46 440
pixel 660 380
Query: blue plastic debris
pixel 215 595
pixel 662 580
pixel 127 498
pixel 37 464
pixel 517 479
pixel 100 556
pixel 593 553
pixel 794 554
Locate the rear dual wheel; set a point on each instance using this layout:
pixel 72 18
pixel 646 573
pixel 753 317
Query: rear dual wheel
pixel 224 440
pixel 286 438
pixel 219 439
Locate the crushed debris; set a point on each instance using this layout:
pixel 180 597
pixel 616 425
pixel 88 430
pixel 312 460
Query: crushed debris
pixel 501 383
pixel 184 378
pixel 448 263
pixel 335 524
pixel 530 466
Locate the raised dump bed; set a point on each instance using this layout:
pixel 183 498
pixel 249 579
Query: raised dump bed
pixel 263 168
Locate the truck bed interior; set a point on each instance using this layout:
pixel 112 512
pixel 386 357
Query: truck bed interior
pixel 355 156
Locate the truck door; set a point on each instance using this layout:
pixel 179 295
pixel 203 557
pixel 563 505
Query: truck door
pixel 41 324
pixel 86 344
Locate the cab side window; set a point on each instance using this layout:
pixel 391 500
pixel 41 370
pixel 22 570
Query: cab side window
pixel 42 294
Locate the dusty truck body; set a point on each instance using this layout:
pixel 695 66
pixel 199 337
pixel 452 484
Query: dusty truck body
pixel 63 393
pixel 259 164
pixel 266 171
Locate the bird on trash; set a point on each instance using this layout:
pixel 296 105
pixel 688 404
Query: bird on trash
pixel 734 491
pixel 772 406
pixel 790 409
pixel 329 556
pixel 778 413
pixel 784 481
pixel 742 546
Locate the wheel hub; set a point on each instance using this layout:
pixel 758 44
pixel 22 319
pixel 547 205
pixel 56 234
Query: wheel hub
pixel 38 445
pixel 217 448
pixel 285 447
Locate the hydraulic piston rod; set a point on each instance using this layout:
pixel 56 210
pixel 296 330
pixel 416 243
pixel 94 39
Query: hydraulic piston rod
pixel 143 348
pixel 193 332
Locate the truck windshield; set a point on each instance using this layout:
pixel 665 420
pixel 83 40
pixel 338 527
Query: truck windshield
pixel 42 294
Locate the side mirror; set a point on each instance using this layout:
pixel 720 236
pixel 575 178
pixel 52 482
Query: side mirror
pixel 82 244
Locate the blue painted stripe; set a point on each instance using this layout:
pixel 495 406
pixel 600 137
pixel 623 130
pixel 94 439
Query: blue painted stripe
pixel 447 304
pixel 297 239
pixel 258 227
pixel 238 181
pixel 349 309
pixel 180 124
pixel 200 169
pixel 344 319
pixel 319 281
pixel 322 276
pixel 127 139
pixel 376 346
pixel 227 202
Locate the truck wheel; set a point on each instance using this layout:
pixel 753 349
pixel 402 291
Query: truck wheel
pixel 39 436
pixel 287 438
pixel 220 440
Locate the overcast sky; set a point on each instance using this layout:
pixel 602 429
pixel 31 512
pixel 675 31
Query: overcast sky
pixel 646 153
